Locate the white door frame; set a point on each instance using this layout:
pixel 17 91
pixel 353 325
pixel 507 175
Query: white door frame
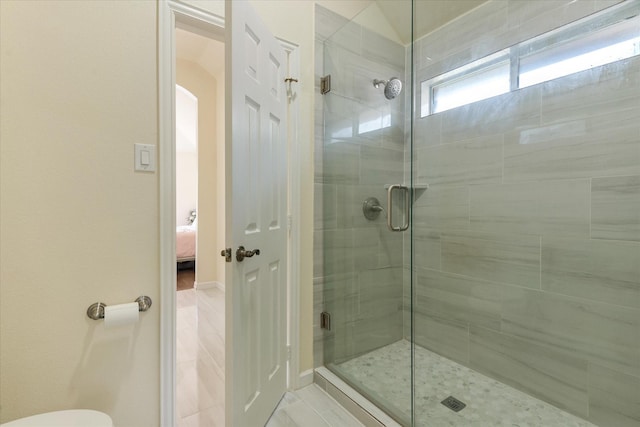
pixel 170 13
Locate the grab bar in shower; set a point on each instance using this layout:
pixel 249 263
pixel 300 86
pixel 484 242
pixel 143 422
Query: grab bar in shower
pixel 405 224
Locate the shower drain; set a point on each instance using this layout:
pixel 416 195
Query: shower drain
pixel 453 404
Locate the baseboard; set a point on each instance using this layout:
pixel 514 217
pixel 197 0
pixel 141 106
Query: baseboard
pixel 209 285
pixel 306 378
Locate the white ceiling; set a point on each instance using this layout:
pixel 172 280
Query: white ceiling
pixel 206 52
pixel 429 14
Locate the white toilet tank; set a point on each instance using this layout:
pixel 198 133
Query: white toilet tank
pixel 70 418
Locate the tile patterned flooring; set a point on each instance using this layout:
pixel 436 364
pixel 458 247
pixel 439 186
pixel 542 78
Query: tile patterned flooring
pixel 200 382
pixel 200 358
pixel 489 402
pixel 311 407
pixel 200 373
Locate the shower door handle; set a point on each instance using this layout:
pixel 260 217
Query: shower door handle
pixel 390 191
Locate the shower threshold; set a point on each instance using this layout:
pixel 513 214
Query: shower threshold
pixel 385 375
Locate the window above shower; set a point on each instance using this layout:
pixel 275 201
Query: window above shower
pixel 600 39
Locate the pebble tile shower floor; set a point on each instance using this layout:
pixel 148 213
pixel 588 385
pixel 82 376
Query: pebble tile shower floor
pixel 385 372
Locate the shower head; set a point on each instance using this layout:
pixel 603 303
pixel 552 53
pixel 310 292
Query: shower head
pixel 392 87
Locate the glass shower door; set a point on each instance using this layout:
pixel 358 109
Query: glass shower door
pixel 363 169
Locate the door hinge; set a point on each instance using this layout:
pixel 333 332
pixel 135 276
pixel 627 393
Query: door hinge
pixel 325 320
pixel 288 353
pixel 289 222
pixel 325 84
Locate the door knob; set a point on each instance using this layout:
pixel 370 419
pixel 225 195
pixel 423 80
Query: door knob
pixel 226 253
pixel 242 253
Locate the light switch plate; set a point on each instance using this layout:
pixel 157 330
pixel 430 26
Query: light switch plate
pixel 145 157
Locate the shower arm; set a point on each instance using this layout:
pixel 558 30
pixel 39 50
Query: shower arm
pixel 377 83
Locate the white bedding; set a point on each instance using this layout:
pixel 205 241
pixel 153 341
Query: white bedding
pixel 186 242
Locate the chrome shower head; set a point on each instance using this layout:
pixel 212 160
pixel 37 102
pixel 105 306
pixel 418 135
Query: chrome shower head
pixel 392 87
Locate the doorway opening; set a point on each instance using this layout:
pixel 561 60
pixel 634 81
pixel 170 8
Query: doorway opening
pixel 200 228
pixel 175 16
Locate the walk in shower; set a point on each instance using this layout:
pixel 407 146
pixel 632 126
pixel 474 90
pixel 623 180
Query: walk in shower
pixel 477 209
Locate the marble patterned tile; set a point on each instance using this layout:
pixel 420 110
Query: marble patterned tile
pixel 615 208
pixel 352 76
pixel 599 270
pixel 211 417
pixel 341 163
pixel 379 292
pixel 367 246
pixel 529 19
pixel 614 398
pixel 598 145
pixel 213 344
pixel 545 207
pixel 380 166
pixel 393 136
pixel 519 12
pixel 375 332
pixel 354 408
pixel 489 402
pixel 427 131
pixel 198 385
pixel 608 335
pixel 187 347
pixel 448 338
pixel 325 206
pixel 426 246
pixel 327 407
pixel 461 298
pixel 200 356
pixel 390 254
pixel 558 378
pixel 318 333
pixel 341 298
pixel 337 250
pixel 503 113
pixel 442 207
pixel 296 414
pixel 477 161
pixel 607 89
pixel 511 259
pixel 318 253
pixel 350 199
pixel 603 4
pixel 481 27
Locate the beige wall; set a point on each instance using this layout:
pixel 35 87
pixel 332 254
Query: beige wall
pixel 78 225
pixel 204 86
pixel 220 178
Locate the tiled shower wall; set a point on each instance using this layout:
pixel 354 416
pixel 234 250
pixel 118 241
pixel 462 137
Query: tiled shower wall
pixel 527 243
pixel 357 262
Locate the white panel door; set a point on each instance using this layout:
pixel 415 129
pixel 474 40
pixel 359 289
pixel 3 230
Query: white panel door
pixel 256 215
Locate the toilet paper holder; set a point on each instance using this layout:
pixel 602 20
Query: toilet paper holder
pixel 96 310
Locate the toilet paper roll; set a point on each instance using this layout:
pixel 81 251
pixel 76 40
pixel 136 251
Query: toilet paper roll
pixel 121 314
